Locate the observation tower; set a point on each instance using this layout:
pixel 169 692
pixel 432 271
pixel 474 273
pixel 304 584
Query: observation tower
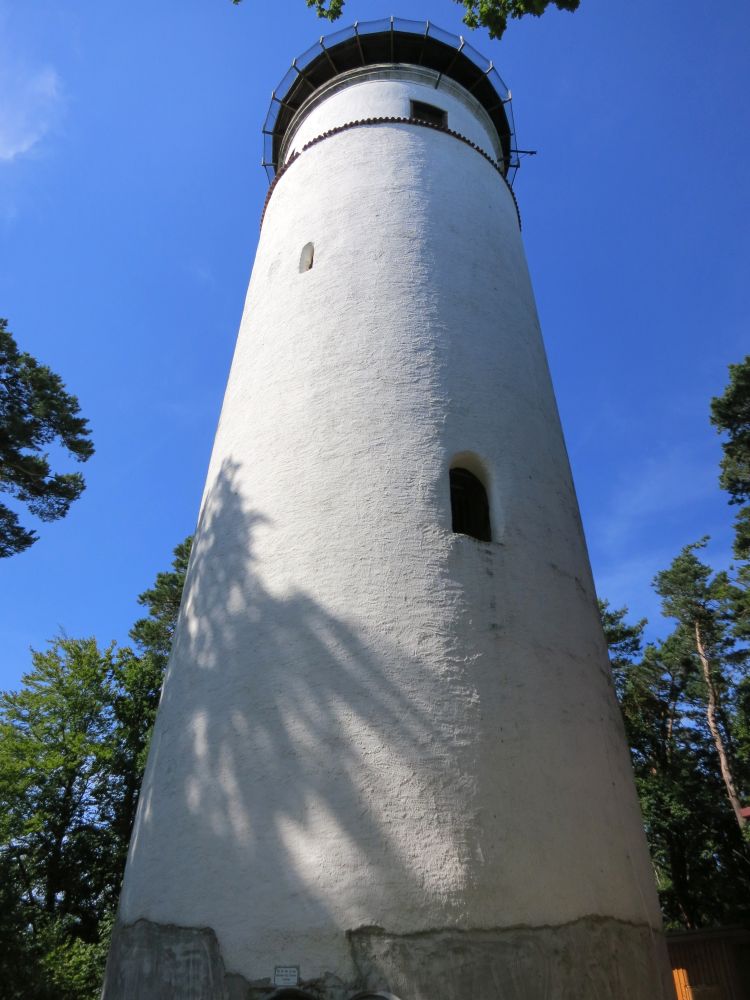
pixel 388 760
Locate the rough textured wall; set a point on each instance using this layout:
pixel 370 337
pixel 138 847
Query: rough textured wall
pixel 373 92
pixel 374 730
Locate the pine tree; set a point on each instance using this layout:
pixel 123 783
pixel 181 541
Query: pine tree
pixel 35 411
pixel 703 606
pixel 701 868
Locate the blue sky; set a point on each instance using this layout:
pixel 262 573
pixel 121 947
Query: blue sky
pixel 130 195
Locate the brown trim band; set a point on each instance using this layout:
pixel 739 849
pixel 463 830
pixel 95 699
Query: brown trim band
pixel 386 121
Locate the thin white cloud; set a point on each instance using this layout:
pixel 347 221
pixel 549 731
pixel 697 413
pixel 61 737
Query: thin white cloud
pixel 648 520
pixel 30 105
pixel 200 272
pixel 672 481
pixel 627 582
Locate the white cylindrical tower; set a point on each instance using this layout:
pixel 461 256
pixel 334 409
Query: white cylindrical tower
pixel 388 759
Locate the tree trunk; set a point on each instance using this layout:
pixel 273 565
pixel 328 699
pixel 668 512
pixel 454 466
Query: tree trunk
pixel 680 882
pixel 711 711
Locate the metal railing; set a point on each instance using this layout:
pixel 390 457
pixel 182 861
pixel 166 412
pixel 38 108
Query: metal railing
pixel 390 40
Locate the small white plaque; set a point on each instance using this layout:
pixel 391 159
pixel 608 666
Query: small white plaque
pixel 286 975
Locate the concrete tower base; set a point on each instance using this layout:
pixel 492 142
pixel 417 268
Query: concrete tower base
pixel 589 959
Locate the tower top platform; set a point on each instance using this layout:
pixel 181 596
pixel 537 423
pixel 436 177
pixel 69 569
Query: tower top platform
pixel 387 42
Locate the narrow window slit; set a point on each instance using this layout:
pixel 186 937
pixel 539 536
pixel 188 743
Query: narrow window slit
pixel 306 257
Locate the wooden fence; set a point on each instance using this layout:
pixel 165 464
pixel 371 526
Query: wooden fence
pixel 711 965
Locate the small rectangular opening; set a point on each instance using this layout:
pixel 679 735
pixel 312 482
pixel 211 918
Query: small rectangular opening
pixel 429 113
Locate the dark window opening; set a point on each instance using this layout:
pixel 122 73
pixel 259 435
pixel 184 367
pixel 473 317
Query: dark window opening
pixel 469 505
pixel 288 994
pixel 429 113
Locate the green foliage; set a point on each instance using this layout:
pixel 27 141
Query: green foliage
pixel 741 731
pixel 699 858
pixel 685 703
pixel 685 589
pixel 742 534
pixel 624 640
pixel 73 745
pixel 705 607
pixel 490 14
pixel 494 14
pixel 730 414
pixel 58 848
pixel 154 633
pixel 329 9
pixel 714 603
pixel 35 412
pixel 73 968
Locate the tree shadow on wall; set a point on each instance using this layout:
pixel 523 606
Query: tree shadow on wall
pixel 284 759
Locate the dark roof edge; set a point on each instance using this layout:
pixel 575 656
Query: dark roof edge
pixel 391 41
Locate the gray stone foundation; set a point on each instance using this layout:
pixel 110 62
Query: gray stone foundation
pixel 590 959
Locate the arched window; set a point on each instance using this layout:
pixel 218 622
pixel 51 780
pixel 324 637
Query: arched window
pixel 470 507
pixel 306 257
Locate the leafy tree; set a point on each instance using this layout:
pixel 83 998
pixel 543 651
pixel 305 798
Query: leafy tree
pixel 35 412
pixel 57 845
pixel 494 14
pixel 490 14
pixel 136 690
pixel 73 744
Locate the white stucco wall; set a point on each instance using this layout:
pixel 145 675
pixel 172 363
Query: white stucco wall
pixel 367 719
pixel 376 92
